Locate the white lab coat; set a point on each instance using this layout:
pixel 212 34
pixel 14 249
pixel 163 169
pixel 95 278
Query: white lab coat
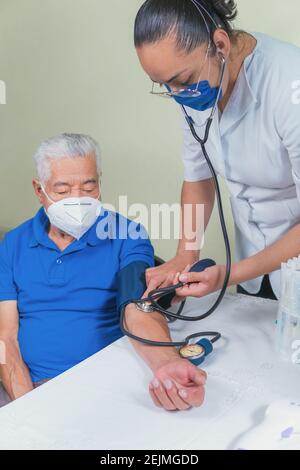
pixel 255 146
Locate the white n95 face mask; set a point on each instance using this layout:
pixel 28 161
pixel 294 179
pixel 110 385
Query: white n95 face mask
pixel 73 215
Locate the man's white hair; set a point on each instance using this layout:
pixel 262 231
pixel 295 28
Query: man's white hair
pixel 62 146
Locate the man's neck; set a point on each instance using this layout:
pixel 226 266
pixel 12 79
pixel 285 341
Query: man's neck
pixel 60 238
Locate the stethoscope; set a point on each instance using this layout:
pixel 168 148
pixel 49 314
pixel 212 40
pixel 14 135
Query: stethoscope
pixel 188 348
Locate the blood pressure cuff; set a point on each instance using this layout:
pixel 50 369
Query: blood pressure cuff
pixel 131 283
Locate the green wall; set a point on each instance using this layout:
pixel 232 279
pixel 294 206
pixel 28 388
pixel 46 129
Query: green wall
pixel 70 66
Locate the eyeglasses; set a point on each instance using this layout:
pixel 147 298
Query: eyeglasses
pixel 183 92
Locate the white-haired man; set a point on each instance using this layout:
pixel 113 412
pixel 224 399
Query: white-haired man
pixel 59 283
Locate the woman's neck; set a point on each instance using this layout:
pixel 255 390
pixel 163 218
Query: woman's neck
pixel 242 47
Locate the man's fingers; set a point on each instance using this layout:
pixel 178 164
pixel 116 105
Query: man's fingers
pixel 176 279
pixel 194 396
pixel 162 396
pixel 153 284
pixel 154 397
pixel 187 269
pixel 198 376
pixel 172 393
pixel 169 279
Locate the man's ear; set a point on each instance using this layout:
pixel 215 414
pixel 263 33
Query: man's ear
pixel 37 189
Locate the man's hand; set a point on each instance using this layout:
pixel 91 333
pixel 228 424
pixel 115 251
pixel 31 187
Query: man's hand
pixel 202 284
pixel 178 385
pixel 14 372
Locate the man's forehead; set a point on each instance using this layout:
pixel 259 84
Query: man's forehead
pixel 73 168
pixel 77 160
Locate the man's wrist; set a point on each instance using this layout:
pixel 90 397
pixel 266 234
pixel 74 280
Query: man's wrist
pixel 163 359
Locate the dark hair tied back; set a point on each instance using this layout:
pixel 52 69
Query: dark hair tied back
pixel 157 19
pixel 225 9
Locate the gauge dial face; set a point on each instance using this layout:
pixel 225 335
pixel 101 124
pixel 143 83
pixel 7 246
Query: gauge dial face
pixel 192 351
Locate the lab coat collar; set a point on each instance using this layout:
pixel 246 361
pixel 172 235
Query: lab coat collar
pixel 242 99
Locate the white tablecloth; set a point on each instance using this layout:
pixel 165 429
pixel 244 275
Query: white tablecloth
pixel 103 402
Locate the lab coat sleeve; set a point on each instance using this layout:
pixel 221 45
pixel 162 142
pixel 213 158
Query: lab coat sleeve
pixel 195 165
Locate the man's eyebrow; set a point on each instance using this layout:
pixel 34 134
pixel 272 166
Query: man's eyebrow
pixel 93 180
pixel 173 78
pixel 61 183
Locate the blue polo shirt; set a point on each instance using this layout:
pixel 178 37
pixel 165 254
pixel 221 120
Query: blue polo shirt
pixel 67 300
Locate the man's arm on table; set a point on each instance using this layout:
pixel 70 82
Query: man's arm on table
pixel 13 371
pixel 177 383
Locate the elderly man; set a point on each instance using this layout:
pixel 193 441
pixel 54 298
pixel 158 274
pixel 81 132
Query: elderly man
pixel 59 284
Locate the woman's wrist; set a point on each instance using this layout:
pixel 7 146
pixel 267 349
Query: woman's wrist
pixel 189 256
pixel 235 275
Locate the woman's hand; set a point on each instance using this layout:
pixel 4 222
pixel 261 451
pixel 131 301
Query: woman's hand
pixel 163 276
pixel 201 284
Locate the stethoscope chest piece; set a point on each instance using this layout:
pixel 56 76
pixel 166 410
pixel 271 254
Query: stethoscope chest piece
pixel 197 352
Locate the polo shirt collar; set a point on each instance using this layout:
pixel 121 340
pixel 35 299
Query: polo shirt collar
pixel 40 225
pixel 40 236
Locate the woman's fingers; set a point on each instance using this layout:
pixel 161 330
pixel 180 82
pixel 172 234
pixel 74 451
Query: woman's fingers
pixel 197 284
pixel 193 290
pixel 192 277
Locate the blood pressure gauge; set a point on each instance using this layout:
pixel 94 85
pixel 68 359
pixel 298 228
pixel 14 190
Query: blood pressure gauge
pixel 196 352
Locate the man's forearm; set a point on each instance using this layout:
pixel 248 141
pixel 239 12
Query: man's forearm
pixel 14 373
pixel 193 195
pixel 152 326
pixel 269 259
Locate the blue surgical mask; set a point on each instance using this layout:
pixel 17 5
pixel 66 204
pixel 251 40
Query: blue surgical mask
pixel 202 102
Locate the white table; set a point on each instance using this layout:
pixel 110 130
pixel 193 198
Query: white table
pixel 103 402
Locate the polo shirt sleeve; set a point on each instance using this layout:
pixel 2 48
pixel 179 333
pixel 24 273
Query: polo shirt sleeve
pixel 136 256
pixel 195 165
pixel 8 289
pixel 136 247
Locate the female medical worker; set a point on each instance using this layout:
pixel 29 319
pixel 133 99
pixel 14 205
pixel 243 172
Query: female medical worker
pixel 254 139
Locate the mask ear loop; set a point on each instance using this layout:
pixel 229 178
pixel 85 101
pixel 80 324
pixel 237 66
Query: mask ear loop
pixel 199 8
pixel 47 196
pixel 205 60
pixel 209 69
